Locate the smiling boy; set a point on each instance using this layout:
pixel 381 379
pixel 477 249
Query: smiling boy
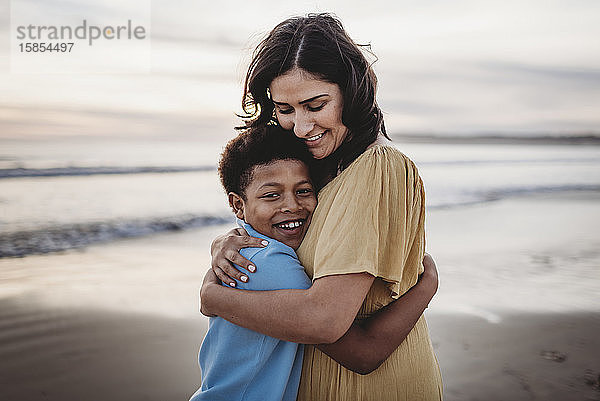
pixel 266 176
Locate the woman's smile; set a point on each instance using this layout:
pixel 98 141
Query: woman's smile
pixel 315 138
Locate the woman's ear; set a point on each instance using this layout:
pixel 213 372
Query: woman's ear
pixel 237 205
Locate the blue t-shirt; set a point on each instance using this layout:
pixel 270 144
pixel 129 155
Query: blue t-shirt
pixel 240 364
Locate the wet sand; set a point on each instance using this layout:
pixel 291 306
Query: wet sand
pixel 82 354
pixel 517 316
pixel 526 357
pixel 78 354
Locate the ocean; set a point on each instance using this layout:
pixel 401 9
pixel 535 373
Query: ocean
pixel 60 193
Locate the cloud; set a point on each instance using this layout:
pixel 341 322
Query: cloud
pixel 546 73
pixel 442 65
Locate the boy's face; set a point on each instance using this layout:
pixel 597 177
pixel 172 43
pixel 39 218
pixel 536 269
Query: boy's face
pixel 280 201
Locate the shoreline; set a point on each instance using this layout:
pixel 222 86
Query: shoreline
pixel 120 321
pixel 77 236
pixel 577 139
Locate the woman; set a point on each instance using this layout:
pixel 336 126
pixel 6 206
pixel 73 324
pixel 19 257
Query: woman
pixel 366 241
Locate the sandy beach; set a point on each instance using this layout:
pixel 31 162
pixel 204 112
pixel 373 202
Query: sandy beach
pixel 517 315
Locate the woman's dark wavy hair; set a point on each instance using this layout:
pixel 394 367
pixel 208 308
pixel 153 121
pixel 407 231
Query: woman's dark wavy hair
pixel 318 44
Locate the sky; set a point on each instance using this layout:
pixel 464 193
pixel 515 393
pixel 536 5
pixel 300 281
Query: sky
pixel 460 67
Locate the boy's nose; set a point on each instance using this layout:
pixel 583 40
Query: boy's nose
pixel 291 205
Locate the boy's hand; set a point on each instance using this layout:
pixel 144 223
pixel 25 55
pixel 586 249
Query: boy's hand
pixel 430 273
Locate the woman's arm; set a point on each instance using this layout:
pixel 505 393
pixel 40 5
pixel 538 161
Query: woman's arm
pixel 323 313
pixel 366 345
pixel 320 314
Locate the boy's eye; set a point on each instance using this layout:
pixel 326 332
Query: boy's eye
pixel 270 195
pixel 305 191
pixel 317 108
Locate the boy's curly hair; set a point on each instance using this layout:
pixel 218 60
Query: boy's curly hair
pixel 254 147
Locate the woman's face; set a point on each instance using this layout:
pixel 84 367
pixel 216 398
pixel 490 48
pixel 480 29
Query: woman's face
pixel 312 108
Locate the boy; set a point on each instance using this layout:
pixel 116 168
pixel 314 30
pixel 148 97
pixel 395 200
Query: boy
pixel 265 173
pixel 266 176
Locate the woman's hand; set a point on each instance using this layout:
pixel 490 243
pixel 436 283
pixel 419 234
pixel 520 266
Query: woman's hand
pixel 225 252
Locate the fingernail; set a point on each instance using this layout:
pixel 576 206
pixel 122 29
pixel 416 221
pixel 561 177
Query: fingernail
pixel 265 242
pixel 244 278
pixel 232 284
pixel 251 268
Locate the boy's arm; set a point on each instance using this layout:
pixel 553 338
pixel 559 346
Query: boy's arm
pixel 366 345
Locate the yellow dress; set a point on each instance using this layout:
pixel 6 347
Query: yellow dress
pixel 371 218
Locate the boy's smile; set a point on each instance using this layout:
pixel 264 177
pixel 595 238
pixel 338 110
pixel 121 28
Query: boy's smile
pixel 279 201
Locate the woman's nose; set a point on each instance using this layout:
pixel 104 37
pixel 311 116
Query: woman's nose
pixel 303 125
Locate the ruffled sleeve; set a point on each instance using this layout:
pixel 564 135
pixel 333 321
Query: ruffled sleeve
pixel 373 218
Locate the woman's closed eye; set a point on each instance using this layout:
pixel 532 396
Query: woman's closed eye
pixel 290 110
pixel 316 108
pixel 285 111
